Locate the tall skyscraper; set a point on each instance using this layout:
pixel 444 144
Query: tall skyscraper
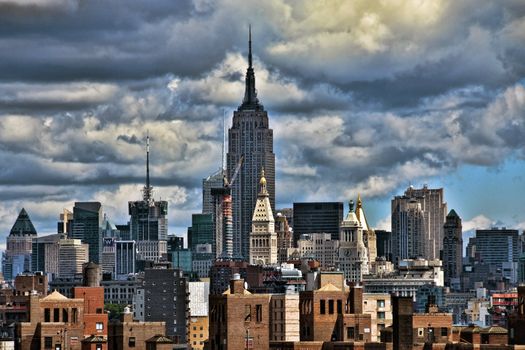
pixel 408 229
pixel 251 137
pixel 428 239
pixel 317 217
pixel 87 226
pixel 453 250
pixel 148 221
pixel 263 239
pixel 17 256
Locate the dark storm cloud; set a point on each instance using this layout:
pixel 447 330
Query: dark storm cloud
pixel 362 96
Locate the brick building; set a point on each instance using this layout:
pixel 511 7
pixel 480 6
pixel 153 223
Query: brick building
pixel 517 320
pixel 127 334
pixel 333 313
pixel 239 319
pixel 55 322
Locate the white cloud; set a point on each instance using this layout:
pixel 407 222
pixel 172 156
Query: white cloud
pixel 478 222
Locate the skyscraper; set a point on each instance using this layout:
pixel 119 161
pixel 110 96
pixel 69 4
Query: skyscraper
pixel 148 221
pixel 317 217
pixel 263 239
pixel 87 226
pixel 251 137
pixel 428 239
pixel 452 250
pixel 17 256
pixel 369 235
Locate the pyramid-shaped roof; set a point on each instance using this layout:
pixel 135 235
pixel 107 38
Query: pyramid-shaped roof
pixel 263 209
pixel 23 225
pixel 329 287
pixel 55 296
pixel 453 213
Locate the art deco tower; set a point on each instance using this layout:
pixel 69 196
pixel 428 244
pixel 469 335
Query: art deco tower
pixel 251 137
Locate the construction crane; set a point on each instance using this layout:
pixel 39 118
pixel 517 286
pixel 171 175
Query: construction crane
pixel 223 213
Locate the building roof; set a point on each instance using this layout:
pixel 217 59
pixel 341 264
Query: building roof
pixel 351 219
pixel 494 330
pixel 263 208
pixel 23 225
pixel 94 339
pixel 159 339
pixel 453 213
pixel 228 292
pixel 329 287
pixel 55 296
pixel 360 213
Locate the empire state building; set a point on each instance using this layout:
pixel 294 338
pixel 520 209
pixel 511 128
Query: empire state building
pixel 251 137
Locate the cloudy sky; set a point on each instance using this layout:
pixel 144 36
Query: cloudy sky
pixel 363 96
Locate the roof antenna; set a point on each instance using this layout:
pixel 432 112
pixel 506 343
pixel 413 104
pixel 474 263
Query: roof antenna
pixel 250 47
pixel 147 188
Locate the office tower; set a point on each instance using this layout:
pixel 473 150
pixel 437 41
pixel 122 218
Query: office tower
pixel 249 137
pixel 125 256
pixel 353 255
pixel 148 218
pixel 44 255
pixel 369 235
pixel 384 244
pixel 201 230
pixel 317 217
pixel 263 239
pixel 426 240
pixel 408 230
pixel 166 299
pixel 87 225
pixel 453 250
pixel 496 245
pixel 72 254
pixel 320 247
pixel 199 322
pixel 175 243
pixel 215 180
pixel 17 256
pixel 108 255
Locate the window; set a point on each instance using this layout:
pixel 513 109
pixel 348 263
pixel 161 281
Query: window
pixel 322 307
pixel 75 315
pixel 65 315
pixel 247 313
pixel 381 315
pixel 99 326
pixel 380 303
pixel 131 342
pixel 47 315
pixel 99 347
pixel 339 307
pixel 258 312
pixel 380 326
pixel 48 342
pixel 350 333
pixel 444 331
pixel 330 307
pixel 56 315
pixel 420 332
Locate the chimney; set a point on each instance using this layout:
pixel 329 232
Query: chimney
pixel 402 332
pixel 237 284
pixel 356 300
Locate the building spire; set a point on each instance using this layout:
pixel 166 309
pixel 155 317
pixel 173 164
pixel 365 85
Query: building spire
pixel 250 47
pixel 147 189
pixel 262 183
pixel 250 101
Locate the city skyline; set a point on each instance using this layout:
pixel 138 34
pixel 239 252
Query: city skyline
pixel 366 105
